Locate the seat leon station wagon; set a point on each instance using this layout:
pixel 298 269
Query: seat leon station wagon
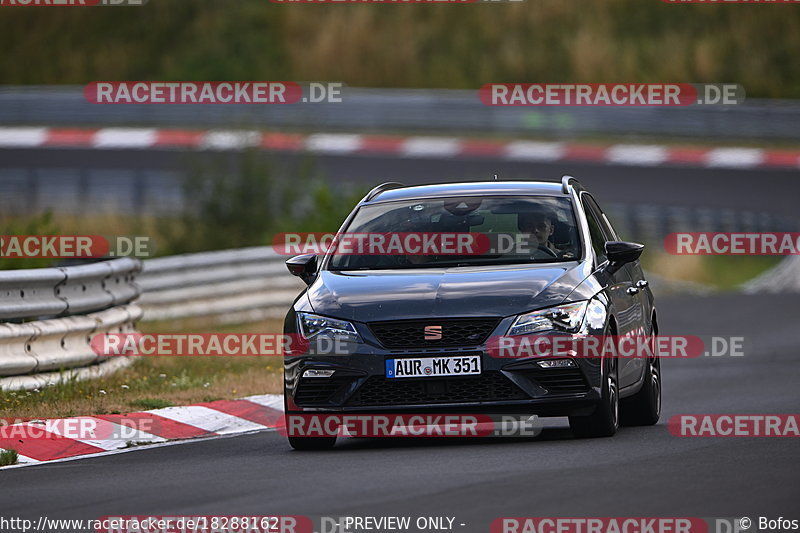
pixel 424 286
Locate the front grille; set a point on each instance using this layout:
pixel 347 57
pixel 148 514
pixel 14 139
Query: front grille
pixel 454 332
pixel 491 386
pixel 559 380
pixel 317 391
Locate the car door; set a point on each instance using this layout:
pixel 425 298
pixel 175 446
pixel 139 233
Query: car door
pixel 619 287
pixel 643 296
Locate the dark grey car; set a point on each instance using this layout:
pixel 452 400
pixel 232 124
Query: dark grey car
pixel 390 308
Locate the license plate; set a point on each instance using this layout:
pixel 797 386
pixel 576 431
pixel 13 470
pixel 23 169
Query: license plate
pixel 429 367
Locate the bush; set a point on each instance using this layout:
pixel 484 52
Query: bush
pixel 8 457
pixel 248 202
pixel 42 224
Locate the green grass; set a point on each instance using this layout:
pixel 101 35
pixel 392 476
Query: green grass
pixel 156 382
pixel 720 272
pixel 152 383
pixel 8 457
pixel 150 403
pixel 728 273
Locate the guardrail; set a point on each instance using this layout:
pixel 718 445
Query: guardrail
pixel 51 315
pixel 232 286
pixel 70 305
pixel 421 110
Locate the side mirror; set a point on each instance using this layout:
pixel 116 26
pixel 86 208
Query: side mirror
pixel 303 266
pixel 620 253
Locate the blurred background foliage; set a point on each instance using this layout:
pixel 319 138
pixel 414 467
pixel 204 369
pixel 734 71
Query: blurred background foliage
pixel 444 46
pixel 246 203
pixel 38 224
pixel 250 203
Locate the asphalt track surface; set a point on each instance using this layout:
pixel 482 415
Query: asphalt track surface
pixel 639 472
pixel 773 190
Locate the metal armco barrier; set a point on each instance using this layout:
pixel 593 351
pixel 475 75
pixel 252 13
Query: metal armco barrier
pixel 30 293
pixel 82 291
pixel 231 286
pixel 42 292
pixel 53 313
pixel 431 110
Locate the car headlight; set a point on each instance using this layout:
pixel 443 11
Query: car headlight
pixel 567 318
pixel 315 326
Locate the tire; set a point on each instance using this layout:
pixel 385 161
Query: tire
pixel 312 443
pixel 604 421
pixel 644 407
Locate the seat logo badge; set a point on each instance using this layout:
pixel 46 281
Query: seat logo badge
pixel 433 333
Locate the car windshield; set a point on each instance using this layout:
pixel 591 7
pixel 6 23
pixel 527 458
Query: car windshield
pixel 458 231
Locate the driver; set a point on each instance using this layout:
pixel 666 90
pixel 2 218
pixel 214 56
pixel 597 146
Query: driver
pixel 540 224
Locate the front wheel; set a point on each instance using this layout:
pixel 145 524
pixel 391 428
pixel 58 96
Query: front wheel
pixel 644 407
pixel 605 419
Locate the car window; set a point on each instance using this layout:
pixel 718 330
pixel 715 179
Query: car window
pixel 595 228
pixel 529 229
pixel 605 224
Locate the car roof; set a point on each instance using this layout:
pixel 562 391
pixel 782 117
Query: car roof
pixel 474 188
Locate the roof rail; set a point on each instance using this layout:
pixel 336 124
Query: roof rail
pixel 382 188
pixel 566 182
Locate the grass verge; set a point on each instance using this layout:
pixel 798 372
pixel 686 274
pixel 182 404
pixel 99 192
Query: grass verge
pixel 719 272
pixel 155 382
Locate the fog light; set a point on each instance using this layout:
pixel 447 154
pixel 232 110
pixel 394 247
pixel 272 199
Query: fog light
pixel 557 363
pixel 315 373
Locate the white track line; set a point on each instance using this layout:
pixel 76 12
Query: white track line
pixel 125 138
pixel 535 151
pixel 230 140
pixel 22 137
pixel 336 143
pixel 636 154
pixel 735 157
pixel 208 419
pixel 430 147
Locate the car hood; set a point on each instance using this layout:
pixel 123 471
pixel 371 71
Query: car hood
pixel 366 296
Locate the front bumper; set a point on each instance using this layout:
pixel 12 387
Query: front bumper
pixel 359 385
